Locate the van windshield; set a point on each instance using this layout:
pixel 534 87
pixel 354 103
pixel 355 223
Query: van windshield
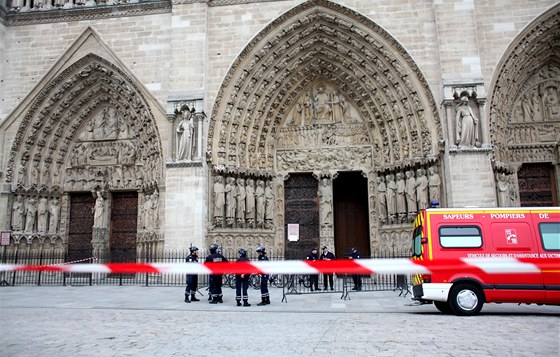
pixel 417 242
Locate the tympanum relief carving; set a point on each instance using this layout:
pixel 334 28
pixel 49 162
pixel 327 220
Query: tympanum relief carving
pixel 535 122
pixel 323 130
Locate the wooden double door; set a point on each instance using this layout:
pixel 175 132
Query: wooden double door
pixel 122 226
pixel 350 206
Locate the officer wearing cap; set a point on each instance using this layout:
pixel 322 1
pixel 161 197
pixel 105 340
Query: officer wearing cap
pixel 215 280
pixel 242 282
pixel 357 279
pixel 192 279
pixel 327 277
pixel 265 296
pixel 313 278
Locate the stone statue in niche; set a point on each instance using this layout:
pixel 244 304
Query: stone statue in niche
pixel 54 214
pixel 434 183
pixel 42 214
pixel 551 103
pixel 326 201
pixel 391 198
pixel 250 202
pixel 421 189
pixel 512 192
pixel 269 205
pixel 411 202
pixel 30 214
pixel 184 133
pixel 155 209
pixel 466 125
pixel 99 211
pixel 503 188
pixel 401 197
pixel 381 199
pixel 259 193
pixel 219 200
pixel 322 105
pixel 241 206
pixel 17 214
pixel 230 190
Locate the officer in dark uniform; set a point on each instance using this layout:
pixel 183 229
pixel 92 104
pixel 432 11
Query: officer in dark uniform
pixel 327 277
pixel 215 280
pixel 313 278
pixel 192 279
pixel 242 282
pixel 356 278
pixel 265 296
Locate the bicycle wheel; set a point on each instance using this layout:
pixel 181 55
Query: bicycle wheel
pixel 231 280
pixel 281 280
pixel 255 281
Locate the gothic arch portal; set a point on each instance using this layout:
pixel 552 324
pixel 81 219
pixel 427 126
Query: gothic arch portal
pixel 321 51
pixel 89 128
pixel 524 112
pixel 315 41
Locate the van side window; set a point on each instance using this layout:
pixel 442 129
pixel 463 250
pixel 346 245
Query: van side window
pixel 460 237
pixel 550 235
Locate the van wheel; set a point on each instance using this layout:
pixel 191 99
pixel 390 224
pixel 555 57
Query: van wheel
pixel 443 306
pixel 466 300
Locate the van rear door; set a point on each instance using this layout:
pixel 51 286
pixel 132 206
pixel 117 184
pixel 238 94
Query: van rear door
pixel 547 230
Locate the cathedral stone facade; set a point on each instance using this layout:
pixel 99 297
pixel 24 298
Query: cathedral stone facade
pixel 131 128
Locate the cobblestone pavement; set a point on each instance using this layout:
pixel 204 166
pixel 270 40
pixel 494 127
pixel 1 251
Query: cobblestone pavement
pixel 154 321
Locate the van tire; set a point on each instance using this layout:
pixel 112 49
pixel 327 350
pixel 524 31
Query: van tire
pixel 443 306
pixel 466 300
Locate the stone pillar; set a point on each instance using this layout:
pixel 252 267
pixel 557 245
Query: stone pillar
pixel 172 137
pixel 199 118
pixel 326 209
pixel 372 203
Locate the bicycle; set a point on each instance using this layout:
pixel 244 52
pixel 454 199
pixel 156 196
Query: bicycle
pixel 277 281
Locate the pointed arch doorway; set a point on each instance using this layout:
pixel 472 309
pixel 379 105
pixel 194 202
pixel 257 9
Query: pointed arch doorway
pixel 351 224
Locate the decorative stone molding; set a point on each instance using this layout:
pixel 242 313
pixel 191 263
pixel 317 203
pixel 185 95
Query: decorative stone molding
pixel 81 13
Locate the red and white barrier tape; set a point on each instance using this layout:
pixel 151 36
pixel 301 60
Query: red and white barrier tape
pixel 361 266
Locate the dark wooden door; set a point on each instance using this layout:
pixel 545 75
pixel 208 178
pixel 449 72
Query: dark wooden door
pixel 537 185
pixel 124 216
pixel 81 226
pixel 351 223
pixel 302 207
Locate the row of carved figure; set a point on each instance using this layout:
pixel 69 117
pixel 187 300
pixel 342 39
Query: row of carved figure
pixel 243 203
pixel 36 214
pixel 400 195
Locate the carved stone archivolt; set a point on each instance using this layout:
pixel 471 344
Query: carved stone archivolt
pixel 525 99
pixel 88 129
pixel 322 64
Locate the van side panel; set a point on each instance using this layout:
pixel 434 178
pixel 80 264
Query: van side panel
pixel 505 232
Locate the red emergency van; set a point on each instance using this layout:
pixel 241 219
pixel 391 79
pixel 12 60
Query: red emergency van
pixel 451 233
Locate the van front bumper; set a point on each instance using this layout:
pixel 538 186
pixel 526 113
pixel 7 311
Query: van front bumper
pixel 431 292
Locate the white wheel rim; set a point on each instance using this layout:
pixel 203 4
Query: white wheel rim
pixel 467 299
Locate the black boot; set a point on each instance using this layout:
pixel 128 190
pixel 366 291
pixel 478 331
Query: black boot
pixel 268 300
pixel 220 300
pixel 187 298
pixel 238 302
pixel 263 302
pixel 246 303
pixel 193 298
pixel 214 300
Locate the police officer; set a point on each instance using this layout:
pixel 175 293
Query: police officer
pixel 313 278
pixel 265 297
pixel 215 280
pixel 192 279
pixel 242 282
pixel 356 278
pixel 327 277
